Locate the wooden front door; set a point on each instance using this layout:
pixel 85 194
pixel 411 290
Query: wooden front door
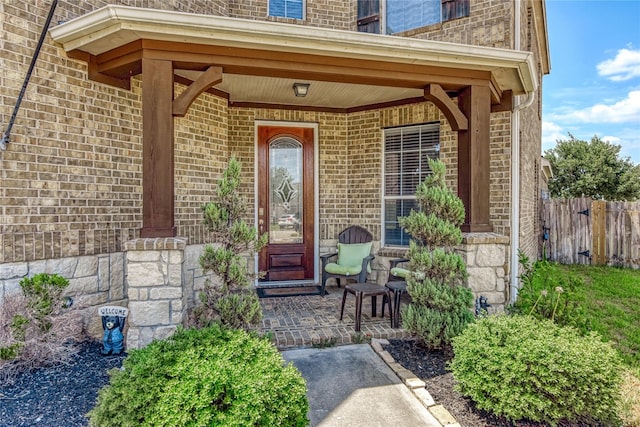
pixel 286 202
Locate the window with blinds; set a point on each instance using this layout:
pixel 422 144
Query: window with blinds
pixel 407 150
pixel 404 15
pixel 287 8
pixel 396 16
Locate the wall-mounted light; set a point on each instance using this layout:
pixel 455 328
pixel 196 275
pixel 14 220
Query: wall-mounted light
pixel 301 89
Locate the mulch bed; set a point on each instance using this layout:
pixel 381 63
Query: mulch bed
pixel 58 395
pixel 62 395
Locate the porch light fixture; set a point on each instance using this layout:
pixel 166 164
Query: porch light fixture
pixel 301 89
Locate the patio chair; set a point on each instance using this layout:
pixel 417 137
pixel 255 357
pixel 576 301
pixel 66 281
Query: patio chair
pixel 397 289
pixel 352 260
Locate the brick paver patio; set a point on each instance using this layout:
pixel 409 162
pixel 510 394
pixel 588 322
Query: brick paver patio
pixel 305 321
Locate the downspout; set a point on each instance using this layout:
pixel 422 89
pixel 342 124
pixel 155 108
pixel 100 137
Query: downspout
pixel 515 171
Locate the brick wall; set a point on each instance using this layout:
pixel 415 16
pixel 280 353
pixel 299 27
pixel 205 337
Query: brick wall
pixel 201 155
pixel 350 159
pixel 72 175
pixel 338 14
pixel 500 177
pixel 488 24
pixel 71 182
pixel 530 150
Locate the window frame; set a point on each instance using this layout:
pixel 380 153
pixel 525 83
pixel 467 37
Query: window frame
pixel 304 9
pixel 431 129
pixel 384 21
pixel 372 15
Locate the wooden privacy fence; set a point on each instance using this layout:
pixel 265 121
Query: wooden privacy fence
pixel 583 231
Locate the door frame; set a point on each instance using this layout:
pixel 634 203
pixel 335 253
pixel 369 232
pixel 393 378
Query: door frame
pixel 316 193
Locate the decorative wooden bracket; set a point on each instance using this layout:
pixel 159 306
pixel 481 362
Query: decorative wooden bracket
pixel 209 78
pixel 452 112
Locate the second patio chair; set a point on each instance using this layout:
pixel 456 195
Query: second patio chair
pixel 352 261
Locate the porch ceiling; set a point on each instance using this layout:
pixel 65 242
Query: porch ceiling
pixel 261 60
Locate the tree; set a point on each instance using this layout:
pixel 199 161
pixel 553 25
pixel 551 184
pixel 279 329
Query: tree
pixel 440 305
pixel 592 169
pixel 229 299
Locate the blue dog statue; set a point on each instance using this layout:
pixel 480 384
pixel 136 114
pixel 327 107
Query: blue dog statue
pixel 113 339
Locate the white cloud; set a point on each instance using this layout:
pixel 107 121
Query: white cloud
pixel 625 111
pixel 552 132
pixel 611 139
pixel 625 66
pixel 629 141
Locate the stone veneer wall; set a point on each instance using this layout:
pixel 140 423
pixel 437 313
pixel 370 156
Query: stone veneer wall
pixel 94 281
pixel 164 279
pixel 155 287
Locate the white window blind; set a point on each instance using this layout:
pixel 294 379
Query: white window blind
pixel 287 8
pixel 406 154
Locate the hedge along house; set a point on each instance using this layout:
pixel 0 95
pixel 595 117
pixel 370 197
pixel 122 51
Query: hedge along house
pixel 133 113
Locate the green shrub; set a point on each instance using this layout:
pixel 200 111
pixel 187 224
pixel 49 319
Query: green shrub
pixel 37 326
pixel 440 305
pixel 44 293
pixel 204 377
pixel 548 293
pixel 229 299
pixel 523 368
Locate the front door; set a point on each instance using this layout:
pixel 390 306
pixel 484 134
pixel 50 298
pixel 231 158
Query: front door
pixel 286 202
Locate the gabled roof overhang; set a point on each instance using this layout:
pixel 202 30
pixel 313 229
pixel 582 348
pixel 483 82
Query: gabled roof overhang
pixel 114 39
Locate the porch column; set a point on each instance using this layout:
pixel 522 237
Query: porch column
pixel 473 158
pixel 157 149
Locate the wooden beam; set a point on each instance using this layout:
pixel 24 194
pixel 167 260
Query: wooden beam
pixel 189 52
pixel 209 78
pixel 330 72
pixel 506 102
pixel 474 159
pixel 93 72
pixel 157 149
pixel 438 96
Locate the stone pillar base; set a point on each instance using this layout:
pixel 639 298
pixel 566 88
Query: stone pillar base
pixel 487 259
pixel 154 274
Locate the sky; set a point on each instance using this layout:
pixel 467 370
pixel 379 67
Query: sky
pixel 594 84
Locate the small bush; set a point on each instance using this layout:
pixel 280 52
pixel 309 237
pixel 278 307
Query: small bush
pixel 523 368
pixel 213 376
pixel 547 293
pixel 44 294
pixel 37 328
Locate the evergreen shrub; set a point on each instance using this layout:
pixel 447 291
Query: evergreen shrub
pixel 440 305
pixel 522 368
pixel 229 297
pixel 214 376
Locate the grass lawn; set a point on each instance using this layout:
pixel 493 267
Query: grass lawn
pixel 611 297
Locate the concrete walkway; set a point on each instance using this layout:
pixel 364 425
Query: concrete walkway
pixel 352 386
pixel 349 383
